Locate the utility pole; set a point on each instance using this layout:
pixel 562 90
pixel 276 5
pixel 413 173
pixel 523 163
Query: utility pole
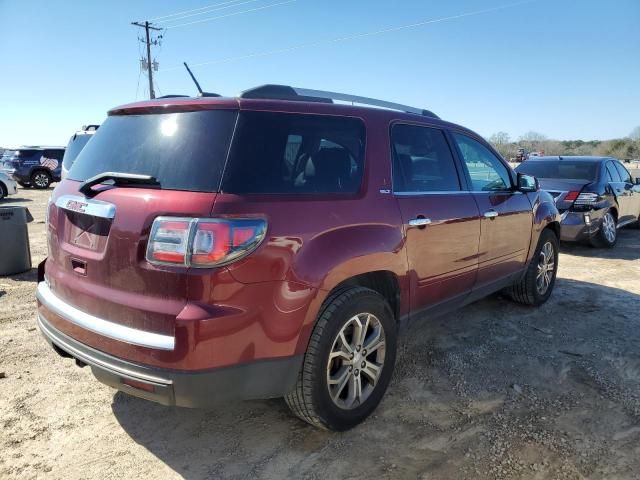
pixel 147 26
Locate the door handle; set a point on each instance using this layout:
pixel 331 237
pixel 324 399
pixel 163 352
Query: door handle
pixel 491 214
pixel 419 222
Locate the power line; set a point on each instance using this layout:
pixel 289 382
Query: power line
pixel 231 14
pixel 354 36
pixel 208 11
pixel 193 10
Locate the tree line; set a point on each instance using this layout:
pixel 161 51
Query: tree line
pixel 627 148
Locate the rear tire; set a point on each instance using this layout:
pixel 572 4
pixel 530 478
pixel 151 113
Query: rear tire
pixel 537 284
pixel 340 382
pixel 41 179
pixel 607 234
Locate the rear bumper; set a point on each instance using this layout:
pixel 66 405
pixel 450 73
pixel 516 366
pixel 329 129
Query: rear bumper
pixel 580 226
pixel 255 380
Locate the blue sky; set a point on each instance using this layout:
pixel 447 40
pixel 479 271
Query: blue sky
pixel 568 69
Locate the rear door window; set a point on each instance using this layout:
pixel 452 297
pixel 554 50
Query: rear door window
pixel 624 173
pixel 422 160
pixel 282 153
pixel 183 151
pixel 612 173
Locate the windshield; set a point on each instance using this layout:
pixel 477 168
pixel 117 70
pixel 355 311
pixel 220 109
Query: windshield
pixel 182 151
pixel 561 169
pixel 75 146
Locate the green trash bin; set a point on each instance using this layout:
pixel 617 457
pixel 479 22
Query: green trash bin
pixel 15 255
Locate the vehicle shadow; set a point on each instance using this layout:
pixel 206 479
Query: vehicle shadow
pixel 8 200
pixel 28 276
pixel 627 247
pixel 455 377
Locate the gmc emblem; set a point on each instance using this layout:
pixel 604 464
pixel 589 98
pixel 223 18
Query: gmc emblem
pixel 76 206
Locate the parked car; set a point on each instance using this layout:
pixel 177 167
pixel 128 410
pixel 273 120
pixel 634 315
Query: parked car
pixel 75 146
pixel 595 196
pixel 34 166
pixel 8 185
pixel 204 250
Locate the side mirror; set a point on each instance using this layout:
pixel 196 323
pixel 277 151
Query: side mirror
pixel 637 180
pixel 527 183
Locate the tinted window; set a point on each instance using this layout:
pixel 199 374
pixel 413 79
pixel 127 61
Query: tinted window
pixel 612 173
pixel 295 154
pixel 487 172
pixel 624 174
pixel 561 169
pixel 75 146
pixel 183 151
pixel 26 154
pixel 422 160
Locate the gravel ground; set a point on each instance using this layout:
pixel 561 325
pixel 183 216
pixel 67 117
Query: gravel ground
pixel 494 390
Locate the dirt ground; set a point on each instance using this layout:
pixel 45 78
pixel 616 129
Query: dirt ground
pixel 494 390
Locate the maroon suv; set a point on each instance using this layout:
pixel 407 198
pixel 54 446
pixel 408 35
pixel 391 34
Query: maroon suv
pixel 208 249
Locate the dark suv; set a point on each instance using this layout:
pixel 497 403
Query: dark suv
pixel 270 245
pixel 34 166
pixel 595 196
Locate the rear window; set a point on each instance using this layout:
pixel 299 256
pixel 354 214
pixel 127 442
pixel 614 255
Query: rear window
pixel 279 153
pixel 183 151
pixel 75 146
pixel 563 169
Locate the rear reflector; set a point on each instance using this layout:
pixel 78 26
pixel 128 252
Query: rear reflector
pixel 203 242
pixel 147 387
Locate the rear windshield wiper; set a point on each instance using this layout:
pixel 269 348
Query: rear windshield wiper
pixel 118 178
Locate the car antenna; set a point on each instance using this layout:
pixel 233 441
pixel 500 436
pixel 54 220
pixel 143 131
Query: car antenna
pixel 200 92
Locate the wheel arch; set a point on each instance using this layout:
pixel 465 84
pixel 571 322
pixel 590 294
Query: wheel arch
pixel 385 282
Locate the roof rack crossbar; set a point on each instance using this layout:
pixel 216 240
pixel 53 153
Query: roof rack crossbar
pixel 363 101
pixel 284 92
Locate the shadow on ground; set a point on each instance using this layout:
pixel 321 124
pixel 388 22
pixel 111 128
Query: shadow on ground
pixel 494 390
pixel 28 276
pixel 12 200
pixel 627 247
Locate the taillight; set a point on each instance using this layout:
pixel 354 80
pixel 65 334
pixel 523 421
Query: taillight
pixel 203 242
pixel 571 196
pixel 587 199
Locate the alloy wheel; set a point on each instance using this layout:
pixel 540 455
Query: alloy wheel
pixel 609 227
pixel 356 361
pixel 41 180
pixel 546 268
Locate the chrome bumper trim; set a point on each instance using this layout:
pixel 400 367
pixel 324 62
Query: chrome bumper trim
pixel 100 326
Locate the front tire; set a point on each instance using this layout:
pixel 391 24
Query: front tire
pixel 40 179
pixel 537 284
pixel 349 361
pixel 3 191
pixel 607 235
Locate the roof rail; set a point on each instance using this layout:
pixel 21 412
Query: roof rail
pixel 284 92
pixel 86 128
